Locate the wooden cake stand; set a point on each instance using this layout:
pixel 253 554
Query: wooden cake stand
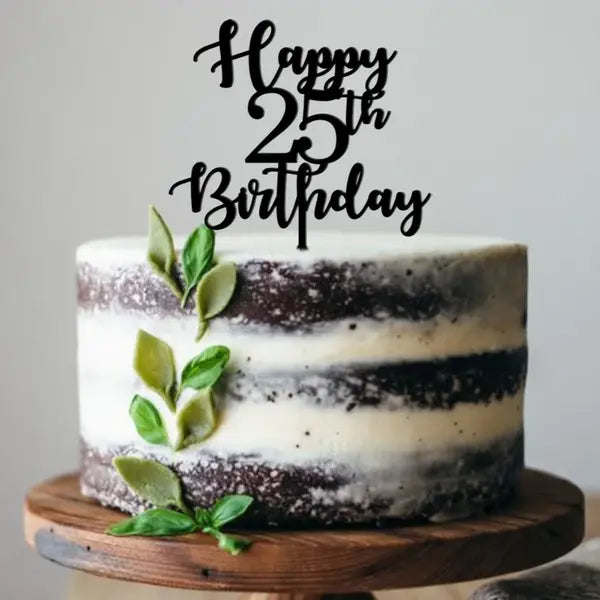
pixel 544 522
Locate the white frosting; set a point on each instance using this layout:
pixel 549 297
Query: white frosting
pixel 104 333
pixel 282 246
pixel 365 437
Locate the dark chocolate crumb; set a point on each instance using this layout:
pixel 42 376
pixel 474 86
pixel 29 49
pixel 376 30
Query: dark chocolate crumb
pixel 297 445
pixel 351 406
pixel 290 395
pixel 307 432
pixel 352 326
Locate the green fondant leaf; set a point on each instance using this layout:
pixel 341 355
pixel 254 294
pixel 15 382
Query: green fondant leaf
pixel 196 420
pixel 151 481
pixel 229 508
pixel 157 521
pixel 214 293
pixel 205 369
pixel 161 251
pixel 155 364
pixel 147 421
pixel 202 327
pixel 230 543
pixel 197 258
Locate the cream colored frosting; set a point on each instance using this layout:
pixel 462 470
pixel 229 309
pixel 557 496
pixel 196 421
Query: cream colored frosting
pixel 294 432
pixel 337 246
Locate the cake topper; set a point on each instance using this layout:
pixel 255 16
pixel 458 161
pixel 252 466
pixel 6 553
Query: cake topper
pixel 323 86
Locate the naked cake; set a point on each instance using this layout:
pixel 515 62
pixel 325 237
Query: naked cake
pixel 370 378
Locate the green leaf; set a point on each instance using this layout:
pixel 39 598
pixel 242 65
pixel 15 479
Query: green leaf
pixel 161 251
pixel 215 290
pixel 233 544
pixel 151 481
pixel 202 517
pixel 202 327
pixel 205 369
pixel 229 508
pixel 197 258
pixel 157 521
pixel 155 364
pixel 196 420
pixel 230 543
pixel 147 421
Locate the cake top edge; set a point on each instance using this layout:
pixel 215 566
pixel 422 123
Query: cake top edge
pixel 324 245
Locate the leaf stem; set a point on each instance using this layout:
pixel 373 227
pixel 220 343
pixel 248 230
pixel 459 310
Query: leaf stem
pixel 185 296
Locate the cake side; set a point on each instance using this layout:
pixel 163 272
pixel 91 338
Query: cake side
pixel 379 383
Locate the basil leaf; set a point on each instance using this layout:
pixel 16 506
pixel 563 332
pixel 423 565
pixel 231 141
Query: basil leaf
pixel 161 251
pixel 233 544
pixel 147 421
pixel 230 543
pixel 155 364
pixel 202 517
pixel 151 481
pixel 157 521
pixel 205 369
pixel 215 290
pixel 196 420
pixel 229 508
pixel 197 258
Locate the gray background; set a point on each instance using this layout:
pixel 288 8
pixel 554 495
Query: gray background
pixel 494 111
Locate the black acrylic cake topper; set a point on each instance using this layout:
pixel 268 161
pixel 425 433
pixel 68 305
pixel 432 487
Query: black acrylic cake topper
pixel 324 74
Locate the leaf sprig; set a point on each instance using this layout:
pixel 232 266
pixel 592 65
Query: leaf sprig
pixel 161 251
pixel 154 362
pixel 214 284
pixel 157 484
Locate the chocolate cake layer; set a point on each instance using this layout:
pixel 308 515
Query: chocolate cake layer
pixel 443 383
pixel 289 296
pixel 436 488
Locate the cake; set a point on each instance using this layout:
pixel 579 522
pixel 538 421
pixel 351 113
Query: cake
pixel 372 378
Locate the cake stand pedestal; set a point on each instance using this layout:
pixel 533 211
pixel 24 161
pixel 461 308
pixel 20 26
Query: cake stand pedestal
pixel 544 522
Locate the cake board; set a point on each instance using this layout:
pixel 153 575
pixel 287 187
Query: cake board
pixel 544 521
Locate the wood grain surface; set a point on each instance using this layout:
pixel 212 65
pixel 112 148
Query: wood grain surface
pixel 544 522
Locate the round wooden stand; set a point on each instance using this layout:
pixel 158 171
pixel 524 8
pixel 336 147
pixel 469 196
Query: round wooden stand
pixel 544 522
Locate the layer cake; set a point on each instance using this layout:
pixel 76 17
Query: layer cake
pixel 372 377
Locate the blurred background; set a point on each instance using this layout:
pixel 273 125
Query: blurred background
pixel 495 111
